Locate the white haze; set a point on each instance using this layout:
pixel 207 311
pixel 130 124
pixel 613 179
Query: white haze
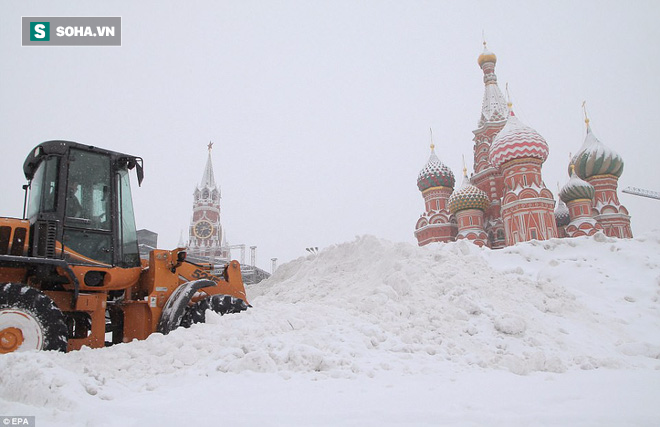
pixel 320 111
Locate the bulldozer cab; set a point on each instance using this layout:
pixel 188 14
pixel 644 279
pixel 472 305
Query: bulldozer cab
pixel 80 206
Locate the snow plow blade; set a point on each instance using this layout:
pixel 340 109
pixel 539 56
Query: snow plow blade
pixel 176 304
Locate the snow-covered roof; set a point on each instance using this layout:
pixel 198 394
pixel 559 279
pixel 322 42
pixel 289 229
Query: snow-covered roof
pixel 516 140
pixel 468 197
pixel 575 189
pixel 493 106
pixel 208 179
pixel 594 158
pixel 435 174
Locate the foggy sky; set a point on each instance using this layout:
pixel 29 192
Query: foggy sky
pixel 320 111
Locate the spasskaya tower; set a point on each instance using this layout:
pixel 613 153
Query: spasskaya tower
pixel 206 237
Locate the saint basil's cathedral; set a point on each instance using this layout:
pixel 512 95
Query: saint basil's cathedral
pixel 505 201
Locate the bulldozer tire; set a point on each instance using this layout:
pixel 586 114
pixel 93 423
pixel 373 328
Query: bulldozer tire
pixel 29 320
pixel 222 304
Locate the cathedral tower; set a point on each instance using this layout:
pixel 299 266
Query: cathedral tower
pixel 486 177
pixel 436 182
pixel 527 205
pixel 468 204
pixel 578 195
pixel 602 167
pixel 205 233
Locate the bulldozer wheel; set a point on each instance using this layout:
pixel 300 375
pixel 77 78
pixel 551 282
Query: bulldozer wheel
pixel 29 320
pixel 223 304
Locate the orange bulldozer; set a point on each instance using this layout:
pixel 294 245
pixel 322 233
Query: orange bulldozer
pixel 71 273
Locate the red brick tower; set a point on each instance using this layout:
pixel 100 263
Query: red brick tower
pixel 205 233
pixel 486 177
pixel 602 167
pixel 527 205
pixel 436 182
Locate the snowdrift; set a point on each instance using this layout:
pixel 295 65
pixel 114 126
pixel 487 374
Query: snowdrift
pixel 359 309
pixel 541 306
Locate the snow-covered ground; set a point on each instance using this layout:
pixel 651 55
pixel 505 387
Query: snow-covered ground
pixel 370 332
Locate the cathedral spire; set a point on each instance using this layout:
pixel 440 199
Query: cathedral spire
pixel 493 107
pixel 208 179
pixel 586 117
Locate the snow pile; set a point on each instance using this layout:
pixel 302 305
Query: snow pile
pixel 372 308
pixel 548 306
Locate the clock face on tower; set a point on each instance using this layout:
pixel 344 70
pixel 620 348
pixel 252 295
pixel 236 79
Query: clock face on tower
pixel 203 229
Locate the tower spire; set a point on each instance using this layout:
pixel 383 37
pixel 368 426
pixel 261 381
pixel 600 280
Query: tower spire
pixel 586 117
pixel 509 104
pixel 432 144
pixel 208 178
pixel 493 107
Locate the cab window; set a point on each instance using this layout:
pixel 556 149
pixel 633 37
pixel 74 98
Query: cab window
pixel 88 232
pixel 88 198
pixel 43 188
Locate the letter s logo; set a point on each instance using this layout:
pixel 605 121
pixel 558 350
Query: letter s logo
pixel 39 31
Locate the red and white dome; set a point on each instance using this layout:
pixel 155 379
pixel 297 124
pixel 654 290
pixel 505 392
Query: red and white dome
pixel 516 140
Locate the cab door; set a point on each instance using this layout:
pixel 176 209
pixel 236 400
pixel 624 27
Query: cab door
pixel 88 219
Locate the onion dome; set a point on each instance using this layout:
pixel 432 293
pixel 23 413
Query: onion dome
pixel 435 174
pixel 594 158
pixel 516 140
pixel 562 217
pixel 468 197
pixel 576 188
pixel 486 56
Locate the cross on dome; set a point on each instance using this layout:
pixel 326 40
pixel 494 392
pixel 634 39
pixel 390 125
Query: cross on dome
pixel 584 108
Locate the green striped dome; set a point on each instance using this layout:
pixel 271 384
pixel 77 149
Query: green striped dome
pixel 576 188
pixel 594 158
pixel 435 174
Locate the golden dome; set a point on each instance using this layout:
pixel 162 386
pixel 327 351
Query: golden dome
pixel 486 56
